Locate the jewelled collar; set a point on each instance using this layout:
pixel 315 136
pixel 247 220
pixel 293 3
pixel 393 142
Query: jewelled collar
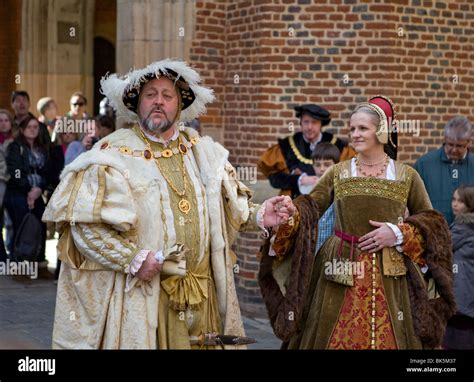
pixel 147 154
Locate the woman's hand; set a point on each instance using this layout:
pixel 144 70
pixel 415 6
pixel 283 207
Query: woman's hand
pixel 34 194
pixel 377 239
pixel 278 210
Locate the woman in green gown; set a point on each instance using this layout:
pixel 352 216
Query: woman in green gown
pixel 384 280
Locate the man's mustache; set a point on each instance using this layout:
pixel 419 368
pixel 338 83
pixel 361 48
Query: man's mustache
pixel 157 109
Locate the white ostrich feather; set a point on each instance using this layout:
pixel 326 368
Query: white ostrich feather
pixel 113 87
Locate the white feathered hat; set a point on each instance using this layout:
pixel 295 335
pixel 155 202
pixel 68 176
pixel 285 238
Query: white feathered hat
pixel 123 92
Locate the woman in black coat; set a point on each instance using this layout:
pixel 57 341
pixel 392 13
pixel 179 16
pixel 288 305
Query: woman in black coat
pixel 27 162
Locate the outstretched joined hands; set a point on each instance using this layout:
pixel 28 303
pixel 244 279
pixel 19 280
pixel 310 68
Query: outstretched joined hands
pixel 278 210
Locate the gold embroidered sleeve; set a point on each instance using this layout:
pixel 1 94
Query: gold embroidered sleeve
pixel 104 245
pixel 413 243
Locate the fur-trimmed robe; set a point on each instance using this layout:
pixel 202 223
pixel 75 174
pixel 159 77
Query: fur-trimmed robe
pixel 129 194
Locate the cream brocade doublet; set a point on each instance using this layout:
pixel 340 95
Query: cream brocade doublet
pixel 112 203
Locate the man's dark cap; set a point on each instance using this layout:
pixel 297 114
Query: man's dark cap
pixel 315 111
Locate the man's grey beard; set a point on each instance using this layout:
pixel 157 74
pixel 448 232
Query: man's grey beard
pixel 157 128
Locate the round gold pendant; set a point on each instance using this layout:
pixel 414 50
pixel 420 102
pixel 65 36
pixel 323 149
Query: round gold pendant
pixel 184 206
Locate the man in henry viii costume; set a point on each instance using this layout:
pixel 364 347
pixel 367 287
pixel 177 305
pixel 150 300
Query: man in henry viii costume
pixel 384 279
pixel 288 164
pixel 147 219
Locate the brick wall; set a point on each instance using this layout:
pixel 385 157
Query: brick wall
pixel 208 55
pixel 10 14
pixel 286 52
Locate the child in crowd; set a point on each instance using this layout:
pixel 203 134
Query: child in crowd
pixel 460 329
pixel 324 156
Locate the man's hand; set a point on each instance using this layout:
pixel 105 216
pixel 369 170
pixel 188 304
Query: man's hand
pixel 278 210
pixel 150 268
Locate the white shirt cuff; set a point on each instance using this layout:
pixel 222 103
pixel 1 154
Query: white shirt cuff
pixel 138 260
pixel 397 233
pixel 135 266
pixel 260 219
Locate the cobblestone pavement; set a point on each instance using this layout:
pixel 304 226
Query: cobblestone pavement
pixel 27 310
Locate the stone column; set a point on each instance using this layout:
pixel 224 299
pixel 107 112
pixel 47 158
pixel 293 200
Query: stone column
pixel 150 30
pixel 56 50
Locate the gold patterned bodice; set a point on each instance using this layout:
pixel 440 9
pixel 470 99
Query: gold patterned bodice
pixel 360 199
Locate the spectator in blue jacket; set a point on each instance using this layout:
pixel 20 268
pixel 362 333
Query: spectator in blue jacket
pixel 452 165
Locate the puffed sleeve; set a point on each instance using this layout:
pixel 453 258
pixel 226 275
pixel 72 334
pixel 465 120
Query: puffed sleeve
pixel 97 194
pixel 95 207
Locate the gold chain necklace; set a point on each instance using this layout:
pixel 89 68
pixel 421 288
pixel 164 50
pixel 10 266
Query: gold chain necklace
pixel 376 175
pixel 184 205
